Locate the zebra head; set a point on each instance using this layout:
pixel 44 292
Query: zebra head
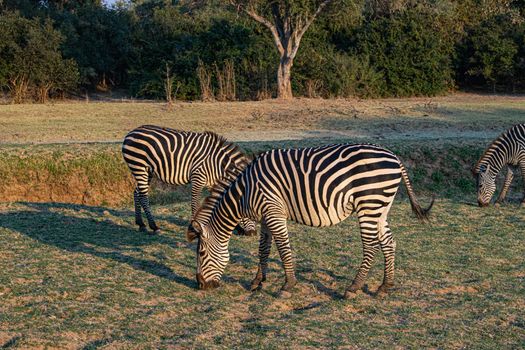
pixel 485 184
pixel 212 255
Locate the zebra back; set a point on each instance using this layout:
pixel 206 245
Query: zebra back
pixel 505 149
pixel 173 154
pixel 218 192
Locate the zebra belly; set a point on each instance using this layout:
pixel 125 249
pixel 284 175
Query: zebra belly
pixel 328 208
pixel 313 214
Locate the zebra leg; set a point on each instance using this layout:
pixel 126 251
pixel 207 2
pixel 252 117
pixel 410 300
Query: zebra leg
pixel 506 185
pixel 197 184
pixel 369 238
pixel 265 245
pixel 279 231
pixel 388 247
pixel 144 202
pixel 138 211
pixel 246 228
pixel 142 194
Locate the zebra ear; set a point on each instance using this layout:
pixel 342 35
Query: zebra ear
pixel 193 231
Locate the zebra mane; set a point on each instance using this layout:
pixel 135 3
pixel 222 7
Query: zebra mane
pixel 231 173
pixel 221 140
pixel 217 191
pixel 229 148
pixel 489 152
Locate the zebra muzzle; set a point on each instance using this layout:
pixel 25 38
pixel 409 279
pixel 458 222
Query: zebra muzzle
pixel 203 285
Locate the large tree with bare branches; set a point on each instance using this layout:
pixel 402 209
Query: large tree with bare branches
pixel 288 21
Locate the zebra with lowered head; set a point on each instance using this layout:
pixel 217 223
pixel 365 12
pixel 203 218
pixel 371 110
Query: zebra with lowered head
pixel 507 150
pixel 177 158
pixel 318 186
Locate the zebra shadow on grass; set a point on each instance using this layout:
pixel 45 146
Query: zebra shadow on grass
pixel 98 231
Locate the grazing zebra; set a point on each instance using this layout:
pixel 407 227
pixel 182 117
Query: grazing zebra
pixel 508 149
pixel 319 187
pixel 179 157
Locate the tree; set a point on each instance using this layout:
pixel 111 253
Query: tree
pixel 55 74
pixel 30 58
pixel 488 54
pixel 99 39
pixel 288 21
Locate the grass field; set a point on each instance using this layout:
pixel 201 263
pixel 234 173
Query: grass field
pixel 462 116
pixel 83 277
pixel 75 273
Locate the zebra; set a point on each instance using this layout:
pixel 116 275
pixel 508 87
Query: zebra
pixel 318 186
pixel 508 149
pixel 177 158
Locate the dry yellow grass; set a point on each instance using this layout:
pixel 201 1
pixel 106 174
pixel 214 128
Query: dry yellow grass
pixel 472 115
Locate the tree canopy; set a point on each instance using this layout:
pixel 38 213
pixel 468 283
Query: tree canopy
pixel 240 49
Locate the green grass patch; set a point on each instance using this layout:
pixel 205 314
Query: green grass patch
pixel 83 276
pixel 95 174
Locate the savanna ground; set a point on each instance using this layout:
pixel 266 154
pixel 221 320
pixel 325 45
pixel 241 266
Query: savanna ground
pixel 75 272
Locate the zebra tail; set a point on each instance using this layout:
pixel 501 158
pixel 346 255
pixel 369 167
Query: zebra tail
pixel 421 213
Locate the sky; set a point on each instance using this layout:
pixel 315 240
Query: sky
pixel 109 2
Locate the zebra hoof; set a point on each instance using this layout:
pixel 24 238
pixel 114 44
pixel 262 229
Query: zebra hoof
pixel 284 294
pixel 155 232
pixel 288 286
pixel 143 229
pixel 257 282
pixel 255 285
pixel 352 291
pixel 350 294
pixel 497 204
pixel 383 291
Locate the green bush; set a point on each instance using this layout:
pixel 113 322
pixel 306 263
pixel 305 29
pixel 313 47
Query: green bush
pixel 405 47
pixel 323 71
pixel 168 35
pixel 100 41
pixel 488 55
pixel 30 60
pixel 400 48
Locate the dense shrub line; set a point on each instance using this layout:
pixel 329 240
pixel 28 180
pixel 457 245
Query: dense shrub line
pixel 160 50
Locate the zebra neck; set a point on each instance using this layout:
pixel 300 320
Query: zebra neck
pixel 227 213
pixel 495 157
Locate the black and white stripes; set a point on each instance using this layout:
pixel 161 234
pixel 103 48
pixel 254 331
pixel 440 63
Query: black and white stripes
pixel 507 150
pixel 178 157
pixel 318 186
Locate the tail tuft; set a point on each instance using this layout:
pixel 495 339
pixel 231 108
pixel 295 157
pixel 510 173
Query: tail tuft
pixel 422 214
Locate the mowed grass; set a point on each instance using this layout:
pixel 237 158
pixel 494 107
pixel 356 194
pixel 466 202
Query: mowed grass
pixel 77 276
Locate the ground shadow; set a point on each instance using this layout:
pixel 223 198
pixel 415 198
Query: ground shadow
pixel 93 232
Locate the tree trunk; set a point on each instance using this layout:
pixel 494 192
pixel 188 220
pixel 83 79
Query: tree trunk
pixel 287 31
pixel 284 82
pixel 18 87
